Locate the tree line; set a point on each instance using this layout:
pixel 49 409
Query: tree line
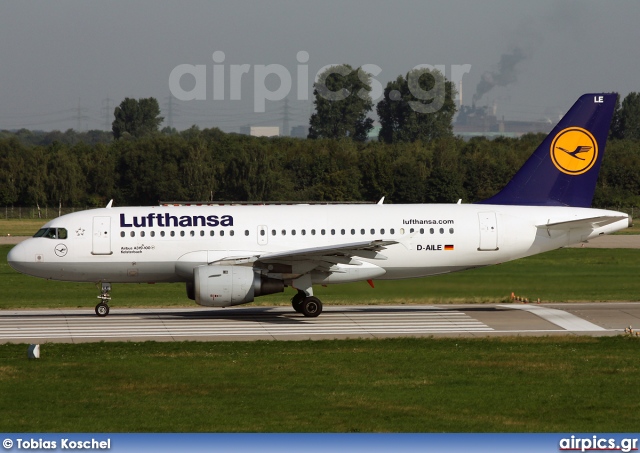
pixel 209 164
pixel 416 159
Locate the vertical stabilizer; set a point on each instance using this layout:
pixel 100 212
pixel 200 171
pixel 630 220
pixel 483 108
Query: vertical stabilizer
pixel 564 169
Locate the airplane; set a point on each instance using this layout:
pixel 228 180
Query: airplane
pixel 230 254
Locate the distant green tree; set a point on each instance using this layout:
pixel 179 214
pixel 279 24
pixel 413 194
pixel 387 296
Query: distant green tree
pixel 12 170
pixel 65 181
pixel 136 117
pixel 342 100
pixel 630 117
pixel 417 107
pixel 615 130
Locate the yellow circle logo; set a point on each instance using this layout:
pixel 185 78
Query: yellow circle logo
pixel 574 151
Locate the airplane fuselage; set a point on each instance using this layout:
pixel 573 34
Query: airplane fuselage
pixel 165 243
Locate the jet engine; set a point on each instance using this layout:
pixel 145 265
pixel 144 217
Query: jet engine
pixel 223 286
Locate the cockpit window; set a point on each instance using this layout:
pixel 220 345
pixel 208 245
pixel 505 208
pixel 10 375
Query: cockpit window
pixel 41 232
pixel 52 233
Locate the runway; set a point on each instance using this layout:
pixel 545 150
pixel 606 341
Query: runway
pixel 336 322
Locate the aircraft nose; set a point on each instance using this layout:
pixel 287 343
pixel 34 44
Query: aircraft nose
pixel 16 258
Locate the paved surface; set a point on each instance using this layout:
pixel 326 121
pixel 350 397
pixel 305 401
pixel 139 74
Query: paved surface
pixel 281 323
pixel 5 240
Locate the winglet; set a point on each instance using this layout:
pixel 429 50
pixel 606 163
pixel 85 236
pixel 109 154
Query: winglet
pixel 563 170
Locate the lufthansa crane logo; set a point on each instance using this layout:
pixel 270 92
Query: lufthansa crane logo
pixel 574 151
pixel 61 250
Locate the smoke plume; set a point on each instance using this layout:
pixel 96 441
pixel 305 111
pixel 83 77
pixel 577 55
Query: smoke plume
pixel 505 75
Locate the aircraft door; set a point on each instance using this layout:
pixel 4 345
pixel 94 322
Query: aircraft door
pixel 101 236
pixel 488 231
pixel 263 235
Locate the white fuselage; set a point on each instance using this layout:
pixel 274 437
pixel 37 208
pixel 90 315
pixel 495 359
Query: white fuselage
pixel 165 243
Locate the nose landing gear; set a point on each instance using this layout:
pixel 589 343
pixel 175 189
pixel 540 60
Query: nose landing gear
pixel 102 309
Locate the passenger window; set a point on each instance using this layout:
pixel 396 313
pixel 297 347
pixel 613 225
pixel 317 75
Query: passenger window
pixel 353 232
pixel 153 234
pixel 303 232
pixel 293 232
pixel 132 234
pixel 246 232
pixel 333 232
pixel 273 232
pixel 211 233
pixel 201 233
pixel 373 231
pixel 322 232
pixel 284 232
pixel 451 230
pixel 182 233
pixel 122 234
pixel 231 233
pixel 441 230
pixel 262 233
pixel 362 231
pixel 313 232
pixel 142 234
pixel 382 231
pixel 222 233
pixel 172 234
pixel 162 233
pixel 431 230
pixel 342 232
pixel 392 231
pixel 411 230
pixel 193 233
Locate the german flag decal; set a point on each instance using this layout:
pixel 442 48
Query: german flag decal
pixel 448 247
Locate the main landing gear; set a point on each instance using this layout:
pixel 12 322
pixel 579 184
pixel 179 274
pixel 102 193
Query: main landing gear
pixel 102 309
pixel 309 306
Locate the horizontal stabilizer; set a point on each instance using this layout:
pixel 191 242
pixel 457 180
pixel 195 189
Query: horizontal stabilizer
pixel 592 222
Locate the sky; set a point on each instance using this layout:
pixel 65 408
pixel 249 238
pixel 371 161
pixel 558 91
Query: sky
pixel 67 64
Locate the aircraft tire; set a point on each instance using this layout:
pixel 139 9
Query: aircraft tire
pixel 297 300
pixel 311 307
pixel 102 309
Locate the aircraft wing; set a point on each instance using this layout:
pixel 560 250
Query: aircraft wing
pixel 591 222
pixel 366 249
pixel 317 257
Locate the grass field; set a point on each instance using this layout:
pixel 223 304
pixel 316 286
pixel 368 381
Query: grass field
pixel 20 227
pixel 559 276
pixel 549 384
pixel 559 384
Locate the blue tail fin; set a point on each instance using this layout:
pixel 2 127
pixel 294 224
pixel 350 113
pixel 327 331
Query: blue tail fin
pixel 564 168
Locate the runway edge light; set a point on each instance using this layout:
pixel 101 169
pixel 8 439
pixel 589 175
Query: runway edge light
pixel 34 351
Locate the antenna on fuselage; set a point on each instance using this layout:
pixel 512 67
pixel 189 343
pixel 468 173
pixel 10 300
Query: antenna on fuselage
pixel 381 200
pixel 109 204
